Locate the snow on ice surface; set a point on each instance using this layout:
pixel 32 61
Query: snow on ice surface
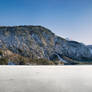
pixel 46 78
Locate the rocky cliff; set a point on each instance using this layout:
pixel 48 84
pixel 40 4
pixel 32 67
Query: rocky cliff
pixel 37 42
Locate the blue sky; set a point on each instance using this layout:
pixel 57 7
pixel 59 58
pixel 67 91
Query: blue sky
pixel 67 18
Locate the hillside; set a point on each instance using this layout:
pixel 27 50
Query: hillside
pixel 38 45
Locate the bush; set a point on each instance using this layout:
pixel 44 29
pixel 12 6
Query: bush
pixel 3 61
pixel 41 62
pixel 1 52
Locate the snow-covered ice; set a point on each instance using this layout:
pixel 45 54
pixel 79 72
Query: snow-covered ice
pixel 46 78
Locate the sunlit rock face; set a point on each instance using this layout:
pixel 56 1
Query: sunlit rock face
pixel 32 41
pixel 40 42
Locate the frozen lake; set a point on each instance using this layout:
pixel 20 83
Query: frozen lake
pixel 46 78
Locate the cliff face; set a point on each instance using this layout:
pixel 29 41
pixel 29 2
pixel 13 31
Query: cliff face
pixel 32 41
pixel 39 42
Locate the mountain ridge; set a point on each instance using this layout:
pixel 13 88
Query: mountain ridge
pixel 37 42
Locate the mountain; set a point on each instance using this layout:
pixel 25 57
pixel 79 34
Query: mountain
pixel 39 44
